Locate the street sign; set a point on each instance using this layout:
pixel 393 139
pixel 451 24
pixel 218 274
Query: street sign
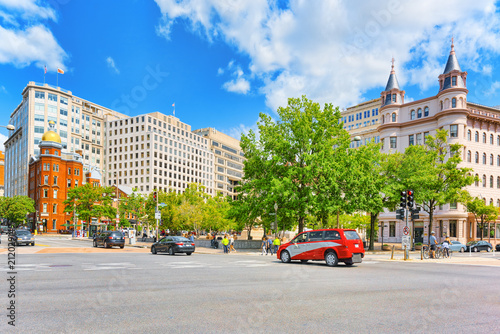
pixel 157 215
pixel 406 230
pixel 405 241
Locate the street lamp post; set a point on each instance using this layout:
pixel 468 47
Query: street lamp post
pixel 9 127
pixel 276 217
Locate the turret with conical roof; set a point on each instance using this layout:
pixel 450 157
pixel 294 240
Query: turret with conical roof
pixel 452 77
pixel 392 93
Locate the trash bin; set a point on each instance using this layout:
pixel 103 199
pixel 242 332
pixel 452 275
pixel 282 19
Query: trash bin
pixel 365 244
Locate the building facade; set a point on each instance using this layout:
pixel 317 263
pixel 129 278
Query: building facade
pixel 156 151
pixel 2 174
pixel 80 124
pixel 228 161
pixel 474 126
pixel 363 120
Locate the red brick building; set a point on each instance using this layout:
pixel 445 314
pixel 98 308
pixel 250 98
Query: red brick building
pixel 51 174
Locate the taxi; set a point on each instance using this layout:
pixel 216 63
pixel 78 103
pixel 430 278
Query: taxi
pixel 329 245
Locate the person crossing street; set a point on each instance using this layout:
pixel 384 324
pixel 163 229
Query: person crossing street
pixel 225 243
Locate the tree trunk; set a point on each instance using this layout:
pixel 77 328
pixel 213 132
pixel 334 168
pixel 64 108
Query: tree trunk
pixel 431 215
pixel 373 219
pixel 301 224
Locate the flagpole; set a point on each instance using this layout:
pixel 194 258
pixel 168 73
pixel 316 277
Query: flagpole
pixel 57 78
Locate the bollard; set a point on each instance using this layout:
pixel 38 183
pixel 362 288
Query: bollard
pixel 404 254
pixel 422 253
pixel 392 254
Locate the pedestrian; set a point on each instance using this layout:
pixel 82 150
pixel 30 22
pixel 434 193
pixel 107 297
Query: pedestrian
pixel 433 243
pixel 214 245
pixel 276 243
pixel 446 245
pixel 191 237
pixel 264 245
pixel 231 244
pixel 225 243
pixel 270 246
pixel 144 236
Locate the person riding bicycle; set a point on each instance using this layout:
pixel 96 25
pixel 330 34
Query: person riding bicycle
pixel 433 244
pixel 446 245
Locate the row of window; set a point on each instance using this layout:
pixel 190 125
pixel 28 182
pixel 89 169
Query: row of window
pixel 484 160
pixel 359 115
pixel 51 97
pixel 476 137
pixel 484 184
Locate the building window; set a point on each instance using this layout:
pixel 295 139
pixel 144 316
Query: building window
pixel 419 139
pixel 454 130
pixel 44 207
pixel 54 208
pixel 441 105
pixel 476 137
pixel 453 229
pixel 392 229
pixel 411 141
pixel 393 97
pixel 468 156
pixel 484 181
pixel 55 193
pixel 453 205
pixel 419 113
pixel 491 139
pixel 426 111
pixel 394 117
pixel 412 114
pixel 498 140
pixel 484 137
pixel 484 158
pixel 425 136
pixel 393 142
pixel 468 135
pixel 453 80
pixel 491 181
pixel 54 224
pixel 498 181
pixel 453 102
pixel 45 193
pixel 491 159
pixel 476 182
pixel 476 157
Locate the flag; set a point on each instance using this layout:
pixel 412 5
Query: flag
pixel 45 69
pixel 173 104
pixel 60 71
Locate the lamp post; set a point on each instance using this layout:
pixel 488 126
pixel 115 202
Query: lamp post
pixel 276 217
pixel 9 127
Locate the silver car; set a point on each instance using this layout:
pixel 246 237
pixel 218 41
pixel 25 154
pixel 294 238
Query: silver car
pixel 24 237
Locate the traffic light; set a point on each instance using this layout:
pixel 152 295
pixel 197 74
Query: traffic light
pixel 410 198
pixel 415 214
pixel 154 196
pixel 400 214
pixel 403 200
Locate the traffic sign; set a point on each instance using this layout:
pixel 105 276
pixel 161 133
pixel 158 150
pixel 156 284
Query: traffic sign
pixel 405 241
pixel 406 230
pixel 157 215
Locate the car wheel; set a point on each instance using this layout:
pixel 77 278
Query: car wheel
pixel 303 261
pixel 188 253
pixel 348 263
pixel 95 243
pixel 462 250
pixel 106 245
pixel 476 249
pixel 153 250
pixel 285 257
pixel 33 244
pixel 488 249
pixel 122 246
pixel 331 259
pixel 171 251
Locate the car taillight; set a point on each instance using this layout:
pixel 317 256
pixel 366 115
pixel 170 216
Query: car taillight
pixel 110 237
pixel 192 244
pixel 179 243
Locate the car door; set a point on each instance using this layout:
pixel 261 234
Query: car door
pixel 168 243
pixel 316 245
pixel 298 247
pixel 162 245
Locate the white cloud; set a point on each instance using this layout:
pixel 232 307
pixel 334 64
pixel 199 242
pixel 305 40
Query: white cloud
pixel 3 139
pixel 334 51
pixel 239 85
pixel 236 132
pixel 25 39
pixel 111 64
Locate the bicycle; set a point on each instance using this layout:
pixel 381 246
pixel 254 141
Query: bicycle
pixel 426 251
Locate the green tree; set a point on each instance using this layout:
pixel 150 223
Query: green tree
pixel 133 204
pixel 16 208
pixel 432 171
pixel 296 161
pixel 483 214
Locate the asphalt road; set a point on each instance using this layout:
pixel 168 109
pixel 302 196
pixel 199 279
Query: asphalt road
pixel 203 293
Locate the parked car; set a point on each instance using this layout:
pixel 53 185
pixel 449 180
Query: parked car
pixel 330 245
pixel 109 239
pixel 497 247
pixel 4 229
pixel 456 246
pixel 172 245
pixel 24 237
pixel 477 246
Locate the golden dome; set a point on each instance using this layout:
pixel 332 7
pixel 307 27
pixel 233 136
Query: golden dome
pixel 51 136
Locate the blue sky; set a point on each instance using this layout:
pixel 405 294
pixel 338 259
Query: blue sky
pixel 223 62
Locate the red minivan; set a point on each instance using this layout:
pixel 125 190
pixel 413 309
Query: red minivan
pixel 330 245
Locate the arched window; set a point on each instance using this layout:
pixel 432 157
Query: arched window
pixel 491 181
pixel 441 105
pixel 383 118
pixel 476 182
pixel 498 202
pixel 491 139
pixel 468 156
pixel 484 180
pixel 426 111
pixel 484 137
pixel 498 181
pixel 419 113
pixel 394 117
pixel 412 114
pixel 491 159
pixel 484 158
pixel 476 137
pixel 498 160
pixel 453 102
pixel 388 98
pixel 469 135
pixel 476 157
pixel 393 97
pixel 491 201
pixel 498 140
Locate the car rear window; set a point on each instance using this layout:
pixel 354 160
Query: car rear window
pixel 116 234
pixel 180 239
pixel 351 235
